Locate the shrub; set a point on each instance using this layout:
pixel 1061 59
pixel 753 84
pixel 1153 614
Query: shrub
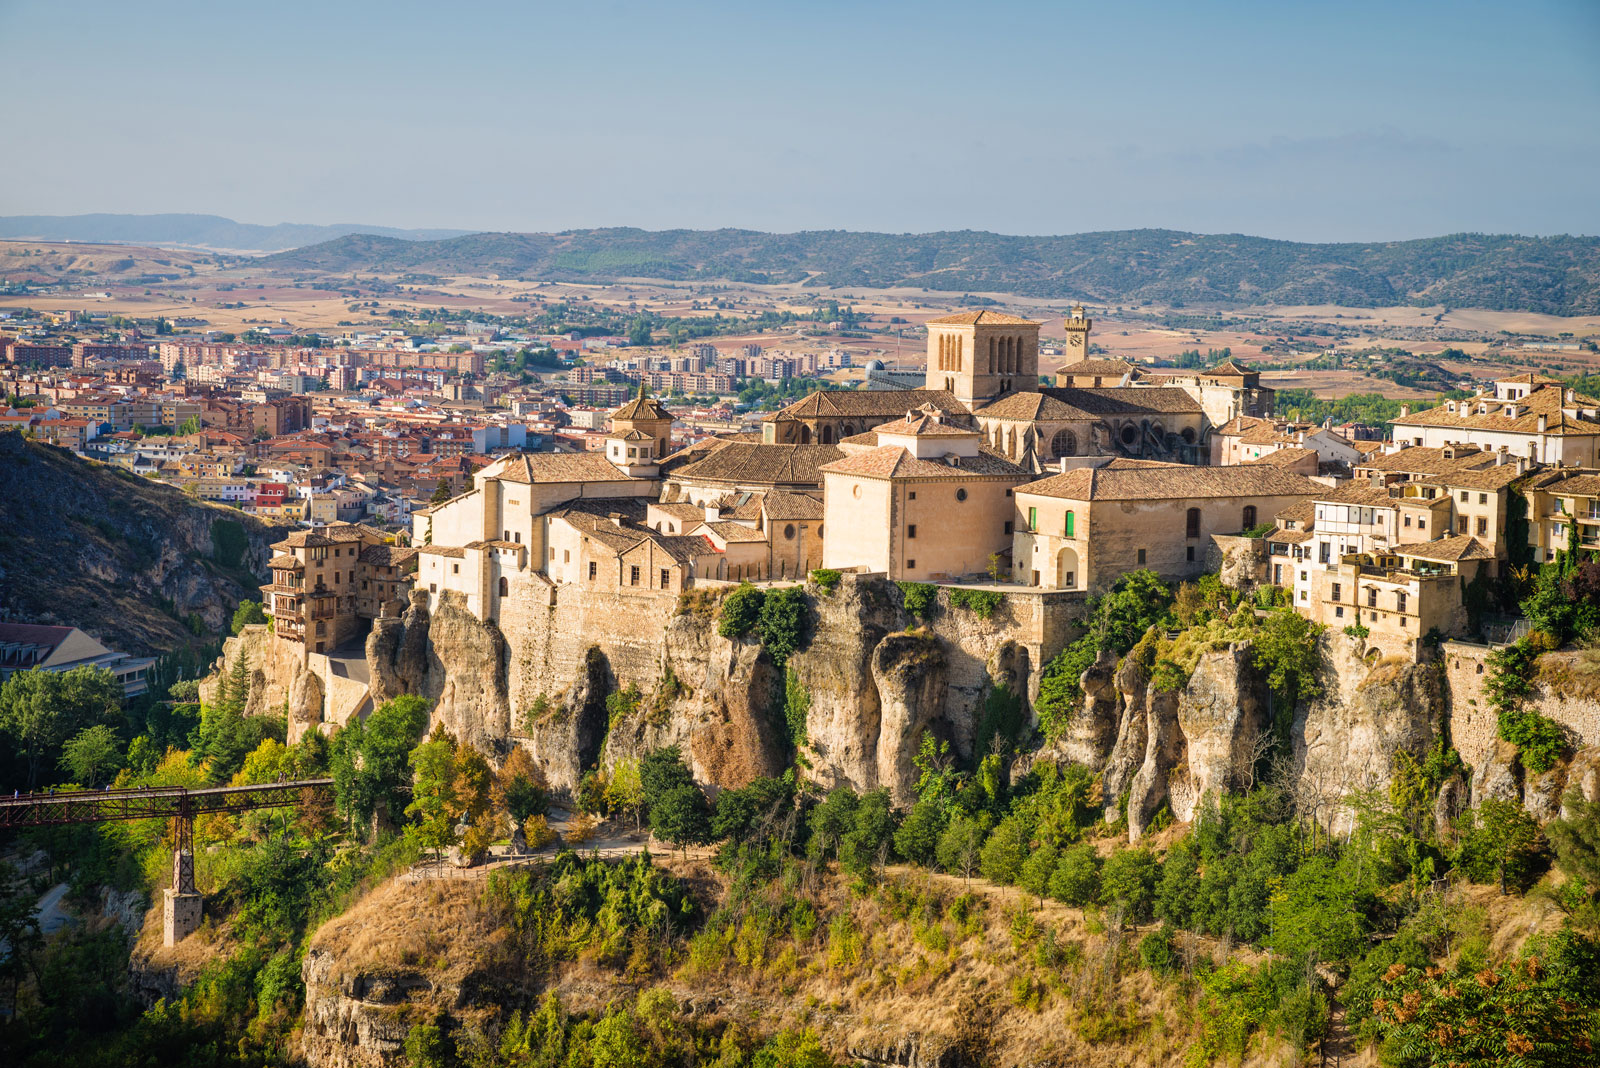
pixel 1157 950
pixel 981 602
pixel 782 623
pixel 796 707
pixel 1128 883
pixel 826 578
pixel 1540 741
pixel 741 610
pixel 620 704
pixel 919 598
pixel 1358 630
pixel 1076 879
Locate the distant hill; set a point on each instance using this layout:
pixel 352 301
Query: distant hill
pixel 1557 275
pixel 192 231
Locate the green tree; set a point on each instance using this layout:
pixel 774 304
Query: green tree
pixel 1037 869
pixel 433 796
pixel 625 790
pixel 1128 884
pixel 1076 878
pixel 247 613
pixel 741 611
pixel 918 837
pixel 830 821
pixel 1005 851
pixel 960 849
pixel 1503 843
pixel 870 840
pixel 40 710
pixel 682 816
pixel 369 759
pixel 90 753
pixel 441 492
pixel 1576 839
pixel 1315 918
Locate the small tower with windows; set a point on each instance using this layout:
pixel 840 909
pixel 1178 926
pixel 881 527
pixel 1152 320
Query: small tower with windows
pixel 641 436
pixel 1077 326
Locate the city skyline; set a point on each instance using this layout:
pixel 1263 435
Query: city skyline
pixel 1358 124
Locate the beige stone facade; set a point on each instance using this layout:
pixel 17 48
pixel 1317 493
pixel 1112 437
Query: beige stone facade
pixel 328 585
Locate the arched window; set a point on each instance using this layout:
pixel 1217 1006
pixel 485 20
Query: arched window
pixel 1065 443
pixel 1192 525
pixel 827 435
pixel 1249 516
pixel 505 586
pixel 991 355
pixel 1071 524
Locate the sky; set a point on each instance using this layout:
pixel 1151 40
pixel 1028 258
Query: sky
pixel 1302 119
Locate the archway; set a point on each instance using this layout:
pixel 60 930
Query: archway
pixel 1067 569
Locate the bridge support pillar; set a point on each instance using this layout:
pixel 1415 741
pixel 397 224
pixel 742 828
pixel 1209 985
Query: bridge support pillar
pixel 181 911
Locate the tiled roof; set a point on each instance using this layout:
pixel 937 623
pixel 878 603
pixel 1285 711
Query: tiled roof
pixel 1423 460
pixel 1362 493
pixel 1122 481
pixel 642 408
pixel 285 562
pixel 1546 401
pixel 762 464
pixel 442 550
pixel 868 403
pixel 1074 404
pixel 892 461
pixel 781 506
pixel 1447 550
pixel 1575 486
pixel 1286 457
pixel 1496 477
pixel 1239 424
pixel 1102 368
pixel 386 555
pixel 924 422
pixel 539 467
pixel 1291 537
pixel 730 531
pixel 982 318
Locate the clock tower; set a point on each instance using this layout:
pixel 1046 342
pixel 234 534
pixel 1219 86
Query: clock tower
pixel 1077 326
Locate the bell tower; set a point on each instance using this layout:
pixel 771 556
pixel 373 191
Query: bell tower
pixel 1077 326
pixel 982 355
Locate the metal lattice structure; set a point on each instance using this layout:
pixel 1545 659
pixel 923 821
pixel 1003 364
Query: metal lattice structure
pixel 156 802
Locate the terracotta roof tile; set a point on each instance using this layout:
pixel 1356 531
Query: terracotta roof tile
pixel 982 318
pixel 1121 481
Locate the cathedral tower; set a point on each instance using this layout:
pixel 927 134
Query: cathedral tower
pixel 982 355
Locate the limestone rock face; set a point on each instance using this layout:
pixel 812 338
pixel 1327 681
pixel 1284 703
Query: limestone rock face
pixel 354 1022
pixel 1091 734
pixel 1128 752
pixel 1221 715
pixel 1450 803
pixel 1164 749
pixel 1541 793
pixel 835 671
pixel 1502 775
pixel 1583 774
pixel 565 741
pixel 909 671
pixel 1347 737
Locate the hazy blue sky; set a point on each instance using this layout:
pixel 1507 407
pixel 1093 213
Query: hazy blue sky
pixel 1309 119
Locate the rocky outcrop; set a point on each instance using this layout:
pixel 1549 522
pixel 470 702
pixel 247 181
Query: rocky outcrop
pixel 1223 719
pixel 1092 733
pixel 909 672
pixel 355 1021
pixel 835 673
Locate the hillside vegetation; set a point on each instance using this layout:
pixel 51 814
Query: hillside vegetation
pixel 1555 275
pixel 136 564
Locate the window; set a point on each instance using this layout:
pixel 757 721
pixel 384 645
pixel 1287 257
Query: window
pixel 1192 523
pixel 1483 525
pixel 552 554
pixel 1189 549
pixel 912 495
pixel 1071 580
pixel 666 577
pixel 1372 596
pixel 505 586
pixel 1408 521
pixel 1008 526
pixel 1422 523
pixel 505 535
pixel 1463 496
pixel 1337 590
pixel 1400 601
pixel 788 531
pixel 1461 525
pixel 961 494
pixel 566 556
pixel 455 569
pixel 1339 612
pixel 1008 491
pixel 1483 498
pixel 1249 516
pixel 633 575
pixel 1071 518
pixel 911 530
pixel 1033 519
pixel 1141 556
pixel 911 564
pixel 433 587
pixel 591 570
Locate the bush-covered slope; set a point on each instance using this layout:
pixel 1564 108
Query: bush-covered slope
pixel 1557 275
pixel 136 564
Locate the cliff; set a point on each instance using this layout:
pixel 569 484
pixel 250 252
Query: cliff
pixel 83 544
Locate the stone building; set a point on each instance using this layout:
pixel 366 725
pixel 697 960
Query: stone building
pixel 1085 528
pixel 1526 416
pixel 979 356
pixel 1039 427
pixel 827 417
pixel 919 499
pixel 329 584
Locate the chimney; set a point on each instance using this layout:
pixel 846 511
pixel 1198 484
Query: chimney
pixel 1544 422
pixel 1405 410
pixel 1571 396
pixel 617 519
pixel 713 513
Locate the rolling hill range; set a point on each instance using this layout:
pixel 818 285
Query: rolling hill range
pixel 1554 275
pixel 190 231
